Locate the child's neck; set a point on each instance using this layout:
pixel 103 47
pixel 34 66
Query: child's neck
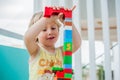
pixel 49 48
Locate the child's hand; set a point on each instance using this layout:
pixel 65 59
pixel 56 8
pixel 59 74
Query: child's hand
pixel 73 7
pixel 61 16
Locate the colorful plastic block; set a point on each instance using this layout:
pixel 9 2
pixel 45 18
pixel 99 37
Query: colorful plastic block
pixel 68 71
pixel 68 28
pixel 67 75
pixel 68 23
pixel 67 60
pixel 68 53
pixel 68 66
pixel 67 79
pixel 68 36
pixel 57 69
pixel 68 19
pixel 67 40
pixel 67 46
pixel 50 11
pixel 60 74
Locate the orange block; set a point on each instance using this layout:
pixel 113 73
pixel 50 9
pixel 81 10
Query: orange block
pixel 68 23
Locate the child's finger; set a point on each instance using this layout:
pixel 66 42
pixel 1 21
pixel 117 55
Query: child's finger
pixel 73 7
pixel 54 7
pixel 61 6
pixel 66 8
pixel 58 8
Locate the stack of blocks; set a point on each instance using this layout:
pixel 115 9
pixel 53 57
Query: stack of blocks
pixel 66 72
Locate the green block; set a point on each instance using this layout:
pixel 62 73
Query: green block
pixel 67 59
pixel 67 75
pixel 67 46
pixel 57 69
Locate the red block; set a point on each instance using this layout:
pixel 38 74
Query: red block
pixel 67 79
pixel 67 70
pixel 59 74
pixel 68 53
pixel 49 11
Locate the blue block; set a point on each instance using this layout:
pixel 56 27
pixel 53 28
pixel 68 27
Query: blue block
pixel 67 40
pixel 68 35
pixel 68 66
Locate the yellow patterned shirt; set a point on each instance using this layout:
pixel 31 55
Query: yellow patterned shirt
pixel 43 62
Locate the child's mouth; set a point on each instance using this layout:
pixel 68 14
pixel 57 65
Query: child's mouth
pixel 50 38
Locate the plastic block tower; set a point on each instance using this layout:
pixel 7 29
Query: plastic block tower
pixel 66 72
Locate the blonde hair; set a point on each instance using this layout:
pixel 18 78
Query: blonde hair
pixel 35 18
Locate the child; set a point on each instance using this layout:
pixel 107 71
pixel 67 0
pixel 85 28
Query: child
pixel 40 39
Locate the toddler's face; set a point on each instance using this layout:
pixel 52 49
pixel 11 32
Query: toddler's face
pixel 49 33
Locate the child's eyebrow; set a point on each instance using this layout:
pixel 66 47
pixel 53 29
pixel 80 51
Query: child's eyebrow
pixel 43 28
pixel 57 25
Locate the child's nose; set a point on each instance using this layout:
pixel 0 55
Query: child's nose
pixel 50 32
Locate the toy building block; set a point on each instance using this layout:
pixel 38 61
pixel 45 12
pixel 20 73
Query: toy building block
pixel 57 69
pixel 69 53
pixel 68 19
pixel 68 70
pixel 60 74
pixel 68 66
pixel 68 36
pixel 67 75
pixel 67 79
pixel 50 11
pixel 67 60
pixel 68 23
pixel 67 46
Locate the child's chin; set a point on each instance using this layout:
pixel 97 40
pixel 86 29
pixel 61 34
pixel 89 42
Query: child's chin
pixel 50 44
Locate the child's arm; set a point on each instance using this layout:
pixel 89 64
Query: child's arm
pixel 76 39
pixel 76 36
pixel 31 36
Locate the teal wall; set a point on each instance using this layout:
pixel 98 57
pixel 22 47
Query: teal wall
pixel 13 63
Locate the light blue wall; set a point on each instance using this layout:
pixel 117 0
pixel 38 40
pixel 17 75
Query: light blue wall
pixel 13 63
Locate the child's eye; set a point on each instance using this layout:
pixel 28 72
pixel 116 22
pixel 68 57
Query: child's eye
pixel 44 29
pixel 53 28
